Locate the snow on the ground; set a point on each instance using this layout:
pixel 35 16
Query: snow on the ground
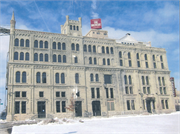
pixel 140 124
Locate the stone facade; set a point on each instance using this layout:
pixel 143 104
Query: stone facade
pixel 45 69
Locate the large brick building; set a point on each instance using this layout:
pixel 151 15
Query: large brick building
pixel 111 77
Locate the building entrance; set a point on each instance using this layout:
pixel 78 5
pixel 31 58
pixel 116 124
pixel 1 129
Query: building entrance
pixel 41 107
pixel 96 107
pixel 150 103
pixel 78 109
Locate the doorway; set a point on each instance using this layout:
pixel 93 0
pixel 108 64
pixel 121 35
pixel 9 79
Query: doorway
pixel 41 109
pixel 148 103
pixel 78 109
pixel 96 107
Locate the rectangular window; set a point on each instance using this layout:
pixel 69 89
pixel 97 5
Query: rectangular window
pixel 162 103
pixel 23 106
pixel 160 90
pixel 98 93
pixel 57 106
pixel 148 90
pixel 110 105
pixel 164 90
pixel 138 63
pixel 131 90
pixel 163 81
pixel 159 80
pixel 23 94
pixel 41 94
pixel 128 105
pixel 111 91
pixel 154 64
pixel 107 79
pixel 107 94
pixel 162 65
pixel 17 94
pixel 166 102
pixel 63 94
pixel 147 65
pixel 144 90
pixel 121 62
pixel 92 93
pixel 57 94
pixel 17 106
pixel 63 106
pixel 126 88
pixel 132 105
pixel 130 63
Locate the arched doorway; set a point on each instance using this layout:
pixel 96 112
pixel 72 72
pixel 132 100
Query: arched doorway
pixel 96 108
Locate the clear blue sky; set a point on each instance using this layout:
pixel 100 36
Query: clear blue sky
pixel 155 21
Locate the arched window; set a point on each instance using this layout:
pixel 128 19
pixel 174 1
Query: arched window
pixel 112 52
pixel 54 58
pixel 104 61
pixel 41 44
pixel 89 48
pixel 77 47
pixel 129 55
pixel 120 54
pixel 75 59
pixel 62 78
pixel 15 55
pixel 153 57
pixel 97 77
pixel 77 28
pixel 103 51
pixel 108 61
pixel 24 77
pixel 59 58
pixel 130 80
pixel 91 77
pixel 17 77
pixel 21 56
pixel 44 77
pixel 38 80
pixel 22 43
pixel 59 46
pixel 161 58
pixel 125 79
pixel 70 27
pixel 57 77
pixel 64 58
pixel 95 62
pixel 143 82
pixel 72 46
pixel 41 57
pixel 74 27
pixel 35 57
pixel 90 60
pixel 85 48
pixel 94 49
pixel 54 45
pixel 145 56
pixel 27 56
pixel 137 55
pixel 27 43
pixel 16 42
pixel 46 44
pixel 107 50
pixel 46 57
pixel 63 46
pixel 77 78
pixel 36 44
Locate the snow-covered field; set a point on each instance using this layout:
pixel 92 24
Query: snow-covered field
pixel 140 124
